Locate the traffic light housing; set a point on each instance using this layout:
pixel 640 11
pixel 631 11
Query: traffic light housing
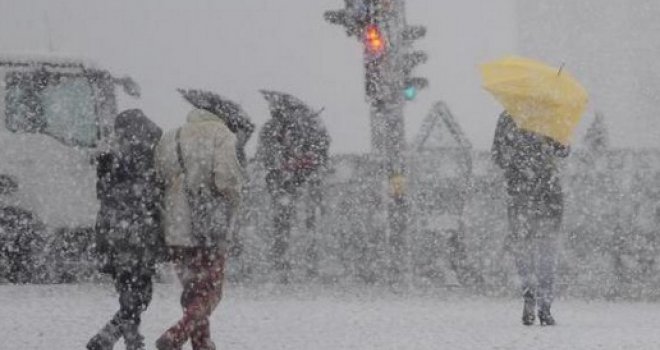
pixel 375 42
pixel 387 40
pixel 411 59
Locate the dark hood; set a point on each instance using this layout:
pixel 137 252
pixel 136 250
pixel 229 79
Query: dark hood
pixel 137 137
pixel 133 126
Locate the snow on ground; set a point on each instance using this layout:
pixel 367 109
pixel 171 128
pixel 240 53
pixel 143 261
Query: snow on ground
pixel 64 316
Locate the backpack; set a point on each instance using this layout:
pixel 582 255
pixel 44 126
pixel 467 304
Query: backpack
pixel 210 211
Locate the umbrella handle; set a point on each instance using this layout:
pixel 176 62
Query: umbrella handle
pixel 561 68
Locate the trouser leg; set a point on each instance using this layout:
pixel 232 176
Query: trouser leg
pixel 314 205
pixel 135 293
pixel 284 207
pixel 208 296
pixel 522 226
pixel 107 336
pixel 135 290
pixel 201 274
pixel 315 192
pixel 546 260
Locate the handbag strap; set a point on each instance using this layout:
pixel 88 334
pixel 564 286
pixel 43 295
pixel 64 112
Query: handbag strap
pixel 182 164
pixel 179 153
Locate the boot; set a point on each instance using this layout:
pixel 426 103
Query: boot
pixel 132 337
pixel 165 342
pixel 529 307
pixel 545 317
pixel 200 338
pixel 208 345
pixel 106 338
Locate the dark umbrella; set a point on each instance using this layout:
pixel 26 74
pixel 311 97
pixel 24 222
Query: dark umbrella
pixel 282 104
pixel 308 135
pixel 229 111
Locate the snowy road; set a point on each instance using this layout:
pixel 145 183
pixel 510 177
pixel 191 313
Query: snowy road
pixel 63 317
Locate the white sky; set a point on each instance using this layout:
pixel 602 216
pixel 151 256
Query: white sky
pixel 238 47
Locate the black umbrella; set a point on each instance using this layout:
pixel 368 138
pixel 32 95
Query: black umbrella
pixel 229 111
pixel 282 104
pixel 307 132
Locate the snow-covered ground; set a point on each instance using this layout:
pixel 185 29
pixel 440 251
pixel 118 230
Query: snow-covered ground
pixel 63 317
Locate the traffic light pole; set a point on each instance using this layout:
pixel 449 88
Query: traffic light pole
pixel 382 27
pixel 395 169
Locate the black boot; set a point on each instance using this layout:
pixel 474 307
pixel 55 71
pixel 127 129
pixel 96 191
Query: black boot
pixel 132 337
pixel 106 338
pixel 545 317
pixel 529 307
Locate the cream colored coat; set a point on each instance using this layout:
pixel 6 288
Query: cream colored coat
pixel 209 152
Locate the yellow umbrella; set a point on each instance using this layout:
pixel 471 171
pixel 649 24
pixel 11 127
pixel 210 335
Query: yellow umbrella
pixel 540 98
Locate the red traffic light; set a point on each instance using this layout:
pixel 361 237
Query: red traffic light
pixel 374 40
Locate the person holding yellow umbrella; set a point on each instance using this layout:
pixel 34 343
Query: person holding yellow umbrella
pixel 543 105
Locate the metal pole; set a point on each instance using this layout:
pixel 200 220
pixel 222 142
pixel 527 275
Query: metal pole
pixel 387 115
pixel 386 73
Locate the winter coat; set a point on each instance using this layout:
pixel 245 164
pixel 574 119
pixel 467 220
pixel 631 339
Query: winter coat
pixel 209 153
pixel 292 150
pixel 529 161
pixel 127 227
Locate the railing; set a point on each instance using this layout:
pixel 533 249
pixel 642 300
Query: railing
pixel 458 227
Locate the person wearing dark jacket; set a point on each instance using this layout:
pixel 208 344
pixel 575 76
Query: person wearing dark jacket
pixel 293 148
pixel 128 239
pixel 535 210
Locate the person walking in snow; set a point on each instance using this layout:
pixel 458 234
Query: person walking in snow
pixel 535 210
pixel 128 239
pixel 199 165
pixel 293 148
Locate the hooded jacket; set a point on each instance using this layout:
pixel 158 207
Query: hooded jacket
pixel 127 227
pixel 530 164
pixel 209 153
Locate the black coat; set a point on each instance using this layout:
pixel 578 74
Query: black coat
pixel 128 223
pixel 293 149
pixel 530 164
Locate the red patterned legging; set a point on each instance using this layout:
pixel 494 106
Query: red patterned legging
pixel 201 272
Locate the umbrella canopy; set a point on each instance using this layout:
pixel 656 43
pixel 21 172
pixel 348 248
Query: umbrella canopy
pixel 282 104
pixel 540 98
pixel 229 111
pixel 303 122
pixel 295 132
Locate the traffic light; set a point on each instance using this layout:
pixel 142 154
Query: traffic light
pixel 374 41
pixel 411 59
pixel 410 92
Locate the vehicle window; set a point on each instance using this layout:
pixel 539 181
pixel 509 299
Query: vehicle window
pixel 22 102
pixel 61 106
